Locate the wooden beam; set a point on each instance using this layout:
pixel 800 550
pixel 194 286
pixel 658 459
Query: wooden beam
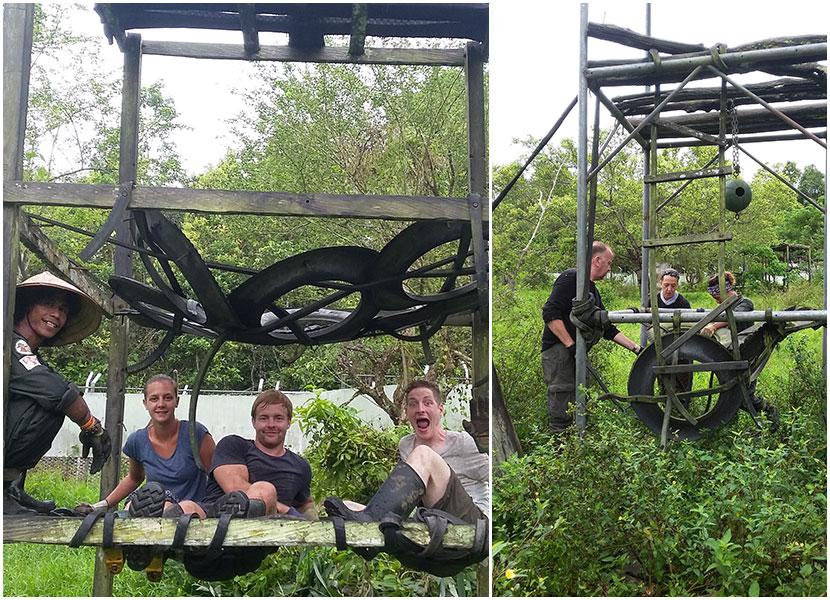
pixel 452 57
pixel 247 22
pixel 241 202
pixel 632 39
pixel 273 531
pixel 38 242
pixel 732 365
pixel 686 175
pixel 18 25
pixel 357 39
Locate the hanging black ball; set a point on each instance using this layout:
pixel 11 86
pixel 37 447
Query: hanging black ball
pixel 738 195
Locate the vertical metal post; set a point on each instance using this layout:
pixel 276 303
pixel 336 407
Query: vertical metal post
pixel 479 404
pixel 645 275
pixel 117 366
pixel 582 249
pixel 18 23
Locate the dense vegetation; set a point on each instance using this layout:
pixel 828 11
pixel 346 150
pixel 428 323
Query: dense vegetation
pixel 348 459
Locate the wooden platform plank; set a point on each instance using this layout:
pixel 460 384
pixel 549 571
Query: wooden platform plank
pixel 241 532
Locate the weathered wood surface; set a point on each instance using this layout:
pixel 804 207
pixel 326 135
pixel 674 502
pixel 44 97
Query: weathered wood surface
pixel 35 240
pixel 449 57
pixel 758 120
pixel 785 89
pixel 627 37
pixel 676 69
pixel 241 532
pixel 242 202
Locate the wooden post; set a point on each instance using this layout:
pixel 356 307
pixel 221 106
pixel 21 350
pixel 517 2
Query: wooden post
pixel 122 258
pixel 18 20
pixel 479 405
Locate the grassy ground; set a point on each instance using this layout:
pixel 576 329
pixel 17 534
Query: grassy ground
pixel 741 512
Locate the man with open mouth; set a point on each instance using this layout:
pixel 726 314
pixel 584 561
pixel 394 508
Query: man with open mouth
pixel 48 312
pixel 439 469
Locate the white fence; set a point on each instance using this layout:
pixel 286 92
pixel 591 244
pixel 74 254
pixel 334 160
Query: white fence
pixel 230 413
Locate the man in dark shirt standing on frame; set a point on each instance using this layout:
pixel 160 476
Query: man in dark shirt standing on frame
pixel 559 337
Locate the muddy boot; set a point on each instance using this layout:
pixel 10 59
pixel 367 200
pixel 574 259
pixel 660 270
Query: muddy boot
pixel 399 494
pixel 18 493
pixel 12 507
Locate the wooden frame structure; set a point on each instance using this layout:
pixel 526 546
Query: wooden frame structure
pixel 306 26
pixel 794 61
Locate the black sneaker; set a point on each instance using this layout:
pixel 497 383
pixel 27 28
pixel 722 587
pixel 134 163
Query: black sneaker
pixel 148 501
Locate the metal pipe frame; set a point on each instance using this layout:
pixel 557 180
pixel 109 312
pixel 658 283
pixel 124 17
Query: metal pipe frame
pixel 748 58
pixel 693 316
pixel 582 249
pixel 784 181
pixel 767 105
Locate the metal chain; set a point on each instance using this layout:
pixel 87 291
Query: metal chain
pixel 736 167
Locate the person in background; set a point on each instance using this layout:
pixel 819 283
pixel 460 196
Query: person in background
pixel 559 337
pixel 720 331
pixel 48 312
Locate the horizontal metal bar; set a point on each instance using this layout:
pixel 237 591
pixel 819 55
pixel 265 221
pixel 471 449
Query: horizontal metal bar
pixel 697 238
pixel 693 316
pixel 745 139
pixel 450 57
pixel 684 175
pixel 734 60
pixel 732 365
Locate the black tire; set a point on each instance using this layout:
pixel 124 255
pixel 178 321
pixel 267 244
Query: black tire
pixel 404 250
pixel 642 381
pixel 430 315
pixel 175 244
pixel 350 264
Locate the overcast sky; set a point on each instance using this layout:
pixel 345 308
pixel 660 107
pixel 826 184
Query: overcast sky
pixel 534 59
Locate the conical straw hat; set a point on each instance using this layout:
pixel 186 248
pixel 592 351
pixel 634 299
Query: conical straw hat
pixel 84 319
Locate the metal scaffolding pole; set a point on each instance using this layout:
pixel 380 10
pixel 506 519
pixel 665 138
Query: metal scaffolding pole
pixel 582 249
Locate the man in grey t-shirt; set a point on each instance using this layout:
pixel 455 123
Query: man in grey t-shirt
pixel 439 469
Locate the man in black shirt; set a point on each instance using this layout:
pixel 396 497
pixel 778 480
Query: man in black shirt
pixel 261 476
pixel 559 337
pixel 48 312
pixel 669 297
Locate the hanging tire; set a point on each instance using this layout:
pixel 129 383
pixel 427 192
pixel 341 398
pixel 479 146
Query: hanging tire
pixel 404 250
pixel 169 238
pixel 431 315
pixel 349 264
pixel 709 415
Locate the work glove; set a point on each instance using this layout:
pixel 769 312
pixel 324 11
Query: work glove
pixel 97 439
pixel 572 350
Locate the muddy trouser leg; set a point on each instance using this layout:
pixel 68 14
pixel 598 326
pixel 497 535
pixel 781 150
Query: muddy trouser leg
pixel 559 370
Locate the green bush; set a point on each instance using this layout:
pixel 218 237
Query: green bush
pixel 742 512
pixel 348 457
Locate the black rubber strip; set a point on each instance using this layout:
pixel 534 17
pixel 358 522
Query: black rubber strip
pixel 115 218
pixel 221 533
pixel 109 526
pixel 85 527
pixel 339 532
pixel 181 531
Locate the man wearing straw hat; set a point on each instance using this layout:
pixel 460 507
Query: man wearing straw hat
pixel 48 312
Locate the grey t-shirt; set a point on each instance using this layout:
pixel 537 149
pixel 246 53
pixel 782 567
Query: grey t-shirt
pixel 461 454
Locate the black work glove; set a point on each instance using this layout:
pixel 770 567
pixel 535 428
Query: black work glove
pixel 96 439
pixel 572 350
